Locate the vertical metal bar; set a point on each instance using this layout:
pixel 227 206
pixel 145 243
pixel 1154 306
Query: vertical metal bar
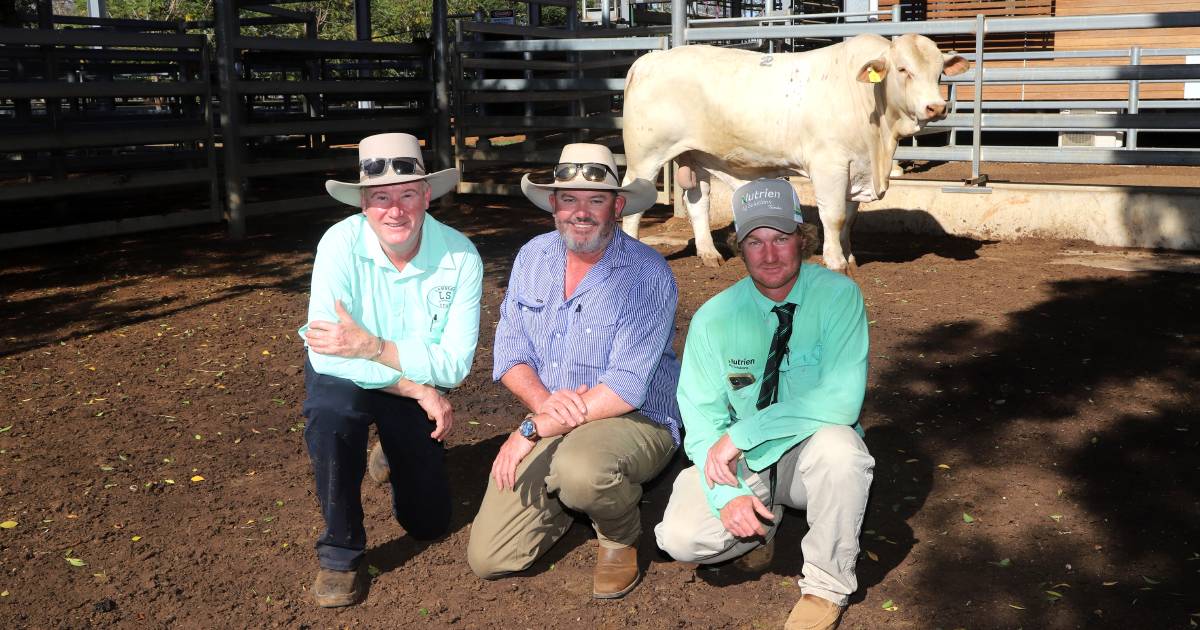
pixel 441 91
pixel 896 12
pixel 977 115
pixel 1135 58
pixel 605 20
pixel 678 23
pixel 459 107
pixel 210 143
pixel 952 104
pixel 227 31
pixel 362 20
pixel 577 105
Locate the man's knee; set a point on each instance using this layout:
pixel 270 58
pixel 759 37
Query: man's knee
pixel 581 476
pixel 482 559
pixel 677 539
pixel 840 452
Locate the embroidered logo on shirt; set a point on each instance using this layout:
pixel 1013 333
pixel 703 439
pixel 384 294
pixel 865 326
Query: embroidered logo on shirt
pixel 440 297
pixel 740 364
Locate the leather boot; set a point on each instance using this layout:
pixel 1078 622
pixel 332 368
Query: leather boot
pixel 337 588
pixel 616 572
pixel 814 613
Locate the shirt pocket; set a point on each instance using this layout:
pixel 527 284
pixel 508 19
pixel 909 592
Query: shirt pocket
pixel 592 342
pixel 801 369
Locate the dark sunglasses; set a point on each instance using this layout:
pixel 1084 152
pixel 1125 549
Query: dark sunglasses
pixel 374 167
pixel 591 171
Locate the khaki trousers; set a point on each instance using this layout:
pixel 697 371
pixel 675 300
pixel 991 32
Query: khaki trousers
pixel 597 469
pixel 827 475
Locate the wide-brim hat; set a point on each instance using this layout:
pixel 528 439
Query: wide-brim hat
pixel 391 145
pixel 639 194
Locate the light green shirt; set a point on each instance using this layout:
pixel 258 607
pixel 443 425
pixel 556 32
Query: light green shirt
pixel 430 309
pixel 822 379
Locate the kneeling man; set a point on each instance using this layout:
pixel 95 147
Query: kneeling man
pixel 584 341
pixel 773 377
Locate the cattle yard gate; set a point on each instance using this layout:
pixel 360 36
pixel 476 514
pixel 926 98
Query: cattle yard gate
pixel 101 117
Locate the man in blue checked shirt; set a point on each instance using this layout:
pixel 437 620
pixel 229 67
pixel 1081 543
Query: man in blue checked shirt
pixel 393 320
pixel 584 341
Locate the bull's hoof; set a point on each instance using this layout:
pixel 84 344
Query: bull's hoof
pixel 838 266
pixel 711 259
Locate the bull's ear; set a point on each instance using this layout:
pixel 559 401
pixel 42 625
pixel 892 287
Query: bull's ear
pixel 874 71
pixel 953 64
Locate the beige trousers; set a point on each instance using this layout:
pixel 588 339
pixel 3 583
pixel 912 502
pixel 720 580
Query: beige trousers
pixel 596 469
pixel 827 475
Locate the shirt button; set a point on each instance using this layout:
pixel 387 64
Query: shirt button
pixel 557 334
pixel 553 365
pixel 589 331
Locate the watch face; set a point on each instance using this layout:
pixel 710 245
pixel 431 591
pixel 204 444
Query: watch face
pixel 528 429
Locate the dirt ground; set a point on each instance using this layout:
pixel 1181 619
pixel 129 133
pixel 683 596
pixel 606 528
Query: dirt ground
pixel 1033 424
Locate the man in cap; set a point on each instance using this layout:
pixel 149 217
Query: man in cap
pixel 393 319
pixel 773 377
pixel 584 341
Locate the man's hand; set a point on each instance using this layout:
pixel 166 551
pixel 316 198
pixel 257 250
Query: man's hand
pixel 439 410
pixel 345 338
pixel 721 465
pixel 743 516
pixel 504 469
pixel 566 407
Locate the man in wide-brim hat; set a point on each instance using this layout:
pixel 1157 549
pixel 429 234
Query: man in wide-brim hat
pixel 393 320
pixel 584 341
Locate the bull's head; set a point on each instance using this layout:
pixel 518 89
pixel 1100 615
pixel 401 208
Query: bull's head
pixel 910 69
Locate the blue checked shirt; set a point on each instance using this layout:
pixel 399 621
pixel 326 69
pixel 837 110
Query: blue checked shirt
pixel 616 329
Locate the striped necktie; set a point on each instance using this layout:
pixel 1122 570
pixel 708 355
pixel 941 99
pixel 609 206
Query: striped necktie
pixel 768 394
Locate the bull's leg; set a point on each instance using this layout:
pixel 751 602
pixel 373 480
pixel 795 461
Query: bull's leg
pixel 631 224
pixel 847 227
pixel 697 202
pixel 830 187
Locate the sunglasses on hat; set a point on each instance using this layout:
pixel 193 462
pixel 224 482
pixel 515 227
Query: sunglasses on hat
pixel 374 167
pixel 591 171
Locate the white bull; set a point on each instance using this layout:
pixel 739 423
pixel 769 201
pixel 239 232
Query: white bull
pixel 834 115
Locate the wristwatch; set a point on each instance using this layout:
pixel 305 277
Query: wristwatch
pixel 528 429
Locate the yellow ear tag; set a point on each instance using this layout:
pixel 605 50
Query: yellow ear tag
pixel 873 76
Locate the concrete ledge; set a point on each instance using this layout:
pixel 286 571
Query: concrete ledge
pixel 1120 216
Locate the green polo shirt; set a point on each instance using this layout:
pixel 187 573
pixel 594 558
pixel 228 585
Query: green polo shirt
pixel 430 309
pixel 822 379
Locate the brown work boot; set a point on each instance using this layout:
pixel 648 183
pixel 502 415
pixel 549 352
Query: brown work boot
pixel 377 465
pixel 814 613
pixel 616 572
pixel 337 588
pixel 758 559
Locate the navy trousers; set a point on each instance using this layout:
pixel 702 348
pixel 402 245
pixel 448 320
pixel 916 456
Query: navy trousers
pixel 339 414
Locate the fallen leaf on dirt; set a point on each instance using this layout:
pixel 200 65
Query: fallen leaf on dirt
pixel 1056 517
pixel 279 503
pixel 1053 595
pixel 1149 581
pixel 472 422
pixel 1004 563
pixel 106 468
pixel 1017 606
pixel 967 518
pixel 3 429
pixel 944 466
pixel 911 461
pixel 3 593
pixel 136 538
pixel 266 353
pixel 871 555
pixel 198 436
pixel 169 482
pixel 8 524
pixel 890 606
pixel 1113 583
pixel 196 478
pixel 76 562
pixel 373 570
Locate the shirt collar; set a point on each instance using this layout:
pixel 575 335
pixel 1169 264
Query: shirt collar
pixel 764 304
pixel 431 253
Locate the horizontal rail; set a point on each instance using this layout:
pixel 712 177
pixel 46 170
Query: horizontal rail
pixel 567 45
pixel 76 138
pixel 953 27
pixel 1053 155
pixel 1109 104
pixel 102 183
pixel 304 127
pixel 280 44
pixel 531 97
pixel 1084 74
pixel 334 87
pixel 1154 122
pixel 93 37
pixel 542 122
pixel 101 89
pixel 77 232
pixel 613 85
